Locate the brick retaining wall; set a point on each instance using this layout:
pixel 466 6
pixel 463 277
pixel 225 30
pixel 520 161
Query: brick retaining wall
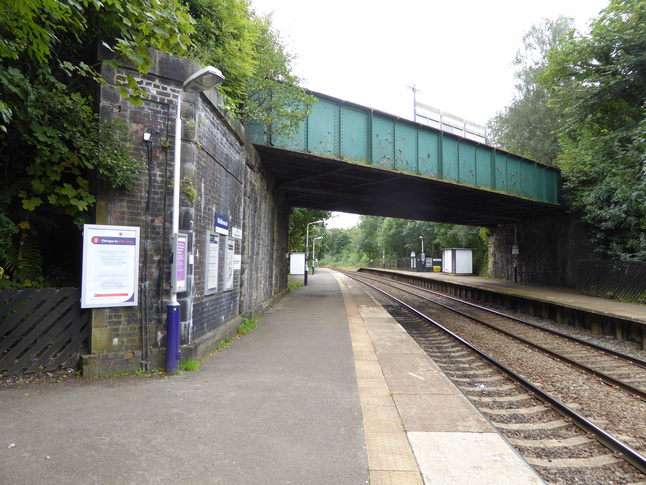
pixel 229 180
pixel 548 246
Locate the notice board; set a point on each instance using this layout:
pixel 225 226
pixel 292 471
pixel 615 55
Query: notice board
pixel 110 272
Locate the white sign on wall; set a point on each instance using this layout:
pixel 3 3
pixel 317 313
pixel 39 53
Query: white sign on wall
pixel 110 266
pixel 229 263
pixel 221 224
pixel 212 263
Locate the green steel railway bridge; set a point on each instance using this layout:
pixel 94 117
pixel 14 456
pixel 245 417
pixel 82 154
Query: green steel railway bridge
pixel 350 158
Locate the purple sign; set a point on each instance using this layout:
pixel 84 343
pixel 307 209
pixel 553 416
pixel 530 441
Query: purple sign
pixel 179 263
pixel 181 259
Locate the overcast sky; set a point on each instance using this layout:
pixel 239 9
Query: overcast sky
pixel 457 54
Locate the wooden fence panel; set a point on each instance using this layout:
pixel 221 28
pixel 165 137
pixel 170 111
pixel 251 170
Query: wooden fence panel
pixel 41 329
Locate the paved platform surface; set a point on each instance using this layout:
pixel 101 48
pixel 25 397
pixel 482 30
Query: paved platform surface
pixel 328 390
pixel 420 429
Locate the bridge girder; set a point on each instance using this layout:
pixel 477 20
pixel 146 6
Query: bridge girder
pixel 314 182
pixel 350 158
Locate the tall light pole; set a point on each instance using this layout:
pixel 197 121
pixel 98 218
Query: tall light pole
pixel 383 254
pixel 422 256
pixel 307 246
pixel 203 80
pixel 314 252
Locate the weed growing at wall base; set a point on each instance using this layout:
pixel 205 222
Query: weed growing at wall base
pixel 248 324
pixel 294 284
pixel 189 365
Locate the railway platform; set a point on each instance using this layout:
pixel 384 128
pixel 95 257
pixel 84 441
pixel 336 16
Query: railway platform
pixel 623 320
pixel 328 389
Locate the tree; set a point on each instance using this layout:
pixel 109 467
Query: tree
pixel 50 138
pixel 53 148
pixel 259 83
pixel 452 236
pixel 298 221
pixel 369 244
pixel 338 241
pixel 527 127
pixel 375 238
pixel 598 84
pixel 402 236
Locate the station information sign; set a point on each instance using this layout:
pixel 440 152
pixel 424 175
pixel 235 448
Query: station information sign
pixel 110 271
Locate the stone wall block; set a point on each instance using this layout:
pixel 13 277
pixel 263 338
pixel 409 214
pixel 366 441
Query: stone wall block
pixel 215 155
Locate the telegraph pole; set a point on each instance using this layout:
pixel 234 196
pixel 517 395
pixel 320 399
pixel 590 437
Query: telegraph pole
pixel 415 91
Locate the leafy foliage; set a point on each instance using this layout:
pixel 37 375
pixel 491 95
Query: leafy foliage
pixel 24 263
pixel 225 36
pixel 375 238
pixel 298 221
pixel 50 138
pixel 259 82
pixel 598 83
pixel 527 127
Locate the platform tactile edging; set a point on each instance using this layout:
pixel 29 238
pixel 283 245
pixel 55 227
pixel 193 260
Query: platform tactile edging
pixel 391 460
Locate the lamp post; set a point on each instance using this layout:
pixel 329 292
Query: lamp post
pixel 307 245
pixel 422 256
pixel 203 80
pixel 314 252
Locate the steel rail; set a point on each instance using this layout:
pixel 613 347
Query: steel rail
pixel 600 348
pixel 629 454
pixel 635 391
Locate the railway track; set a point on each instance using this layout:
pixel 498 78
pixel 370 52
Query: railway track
pixel 614 368
pixel 576 412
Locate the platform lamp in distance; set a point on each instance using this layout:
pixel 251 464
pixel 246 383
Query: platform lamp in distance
pixel 314 251
pixel 422 255
pixel 307 245
pixel 203 80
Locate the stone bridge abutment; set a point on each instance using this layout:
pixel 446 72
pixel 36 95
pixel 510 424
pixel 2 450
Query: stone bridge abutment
pixel 231 274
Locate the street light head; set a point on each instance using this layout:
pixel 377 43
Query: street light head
pixel 203 80
pixel 421 237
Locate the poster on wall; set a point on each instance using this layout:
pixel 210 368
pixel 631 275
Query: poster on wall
pixel 179 267
pixel 229 264
pixel 212 262
pixel 110 273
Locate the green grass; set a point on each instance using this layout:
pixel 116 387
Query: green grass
pixel 248 324
pixel 125 373
pixel 189 365
pixel 294 284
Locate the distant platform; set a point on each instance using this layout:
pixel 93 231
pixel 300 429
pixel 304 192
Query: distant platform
pixel 623 320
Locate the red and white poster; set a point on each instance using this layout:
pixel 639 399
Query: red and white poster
pixel 110 266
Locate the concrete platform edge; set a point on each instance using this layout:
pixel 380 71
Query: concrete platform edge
pixel 399 384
